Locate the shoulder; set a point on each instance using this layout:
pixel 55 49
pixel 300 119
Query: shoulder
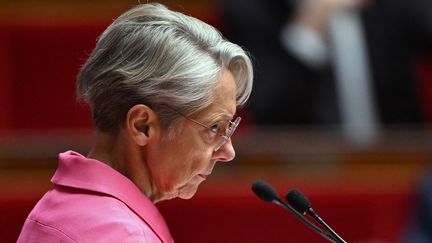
pixel 83 216
pixel 34 231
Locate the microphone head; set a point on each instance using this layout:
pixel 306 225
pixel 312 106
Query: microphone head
pixel 264 191
pixel 298 201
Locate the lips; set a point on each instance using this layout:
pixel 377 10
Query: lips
pixel 203 176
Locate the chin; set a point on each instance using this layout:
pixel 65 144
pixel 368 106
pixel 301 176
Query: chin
pixel 188 192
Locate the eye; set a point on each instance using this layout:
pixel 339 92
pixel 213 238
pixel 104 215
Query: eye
pixel 215 128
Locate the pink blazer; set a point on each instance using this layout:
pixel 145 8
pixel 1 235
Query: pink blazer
pixel 91 202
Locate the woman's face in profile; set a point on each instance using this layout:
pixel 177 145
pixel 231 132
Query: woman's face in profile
pixel 187 159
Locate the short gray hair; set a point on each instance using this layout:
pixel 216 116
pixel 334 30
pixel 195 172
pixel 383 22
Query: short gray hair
pixel 161 58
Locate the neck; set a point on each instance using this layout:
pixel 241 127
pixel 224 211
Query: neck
pixel 125 157
pixel 106 150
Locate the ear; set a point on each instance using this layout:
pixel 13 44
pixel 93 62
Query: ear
pixel 141 121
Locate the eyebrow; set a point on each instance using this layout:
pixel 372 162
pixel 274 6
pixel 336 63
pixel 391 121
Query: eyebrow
pixel 219 116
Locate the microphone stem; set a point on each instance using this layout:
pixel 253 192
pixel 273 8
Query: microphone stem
pixel 312 213
pixel 306 222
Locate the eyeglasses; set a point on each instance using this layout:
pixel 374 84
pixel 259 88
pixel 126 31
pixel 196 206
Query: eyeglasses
pixel 224 131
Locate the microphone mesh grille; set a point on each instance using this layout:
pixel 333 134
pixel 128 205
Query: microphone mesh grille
pixel 298 200
pixel 264 191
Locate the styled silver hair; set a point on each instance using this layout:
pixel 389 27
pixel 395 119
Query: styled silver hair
pixel 162 58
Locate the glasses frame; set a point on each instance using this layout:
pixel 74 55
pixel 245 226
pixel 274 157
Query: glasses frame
pixel 232 126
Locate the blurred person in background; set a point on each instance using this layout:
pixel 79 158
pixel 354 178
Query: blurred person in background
pixel 163 89
pixel 418 229
pixel 295 73
pixel 291 42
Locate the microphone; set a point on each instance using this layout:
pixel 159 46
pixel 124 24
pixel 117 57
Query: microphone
pixel 302 204
pixel 267 193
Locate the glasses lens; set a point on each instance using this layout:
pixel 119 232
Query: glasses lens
pixel 228 133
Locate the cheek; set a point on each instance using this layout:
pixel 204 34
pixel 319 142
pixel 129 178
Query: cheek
pixel 184 157
pixel 191 185
pixel 197 162
pixel 192 157
pixel 194 164
pixel 178 166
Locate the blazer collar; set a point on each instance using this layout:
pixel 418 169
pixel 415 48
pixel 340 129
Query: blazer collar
pixel 75 170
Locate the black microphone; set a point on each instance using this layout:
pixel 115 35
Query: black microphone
pixel 267 193
pixel 302 204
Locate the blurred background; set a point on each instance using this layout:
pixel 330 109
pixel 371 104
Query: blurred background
pixel 341 110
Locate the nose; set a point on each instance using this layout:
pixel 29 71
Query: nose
pixel 225 153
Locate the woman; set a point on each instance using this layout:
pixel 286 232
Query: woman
pixel 163 88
